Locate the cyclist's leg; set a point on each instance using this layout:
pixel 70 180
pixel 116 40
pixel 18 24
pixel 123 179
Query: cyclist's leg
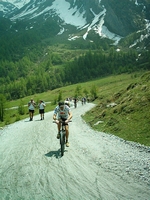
pixel 67 132
pixel 43 114
pixel 32 114
pixel 40 111
pixel 58 127
pixel 67 135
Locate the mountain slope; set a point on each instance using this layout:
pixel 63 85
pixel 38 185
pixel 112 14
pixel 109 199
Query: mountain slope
pixel 45 36
pixel 112 19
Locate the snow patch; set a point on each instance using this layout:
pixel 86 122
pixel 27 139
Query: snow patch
pixel 18 3
pixel 70 16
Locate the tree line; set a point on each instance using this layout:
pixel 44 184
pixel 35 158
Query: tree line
pixel 23 78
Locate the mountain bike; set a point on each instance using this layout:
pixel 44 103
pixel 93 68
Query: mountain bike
pixel 62 137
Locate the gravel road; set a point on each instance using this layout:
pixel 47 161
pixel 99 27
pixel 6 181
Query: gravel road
pixel 96 166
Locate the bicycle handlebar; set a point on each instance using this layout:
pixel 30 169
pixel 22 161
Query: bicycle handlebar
pixel 61 121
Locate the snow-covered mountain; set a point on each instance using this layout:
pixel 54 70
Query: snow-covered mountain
pixel 17 3
pixel 111 19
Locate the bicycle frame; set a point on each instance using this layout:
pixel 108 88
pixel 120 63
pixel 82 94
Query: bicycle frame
pixel 62 137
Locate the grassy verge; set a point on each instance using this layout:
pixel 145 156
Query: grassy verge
pixel 122 107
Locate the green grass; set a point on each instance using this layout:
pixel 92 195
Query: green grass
pixel 129 119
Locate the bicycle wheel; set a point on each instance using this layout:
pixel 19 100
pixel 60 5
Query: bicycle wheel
pixel 62 143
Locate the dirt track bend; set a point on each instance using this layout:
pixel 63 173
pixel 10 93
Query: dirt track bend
pixel 96 165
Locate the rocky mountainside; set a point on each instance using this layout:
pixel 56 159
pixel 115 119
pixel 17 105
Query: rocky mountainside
pixel 111 19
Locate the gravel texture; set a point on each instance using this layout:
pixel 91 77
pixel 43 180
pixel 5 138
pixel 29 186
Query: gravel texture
pixel 96 166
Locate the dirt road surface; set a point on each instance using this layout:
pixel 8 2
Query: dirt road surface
pixel 96 166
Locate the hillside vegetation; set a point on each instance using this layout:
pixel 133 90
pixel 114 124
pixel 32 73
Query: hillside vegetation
pixel 57 67
pixel 122 104
pixel 38 60
pixel 123 109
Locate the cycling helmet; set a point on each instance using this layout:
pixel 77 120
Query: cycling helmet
pixel 61 103
pixel 67 103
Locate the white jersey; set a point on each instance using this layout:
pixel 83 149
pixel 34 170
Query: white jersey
pixel 62 113
pixel 31 105
pixel 42 106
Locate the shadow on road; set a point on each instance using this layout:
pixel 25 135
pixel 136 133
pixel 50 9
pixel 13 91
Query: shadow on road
pixel 27 121
pixel 53 154
pixel 36 120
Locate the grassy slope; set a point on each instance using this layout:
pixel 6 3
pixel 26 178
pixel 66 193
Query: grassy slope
pixel 129 119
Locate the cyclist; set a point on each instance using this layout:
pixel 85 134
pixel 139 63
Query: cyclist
pixel 75 102
pixel 62 112
pixel 42 109
pixel 67 103
pixel 31 107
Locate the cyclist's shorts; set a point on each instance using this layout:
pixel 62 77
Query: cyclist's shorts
pixel 64 119
pixel 41 111
pixel 32 111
